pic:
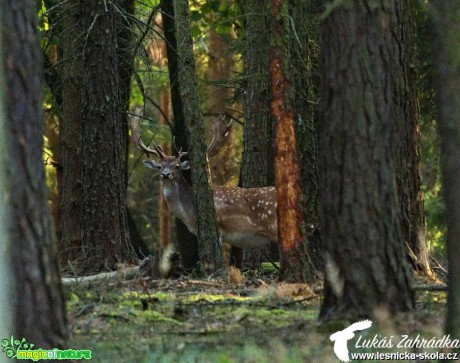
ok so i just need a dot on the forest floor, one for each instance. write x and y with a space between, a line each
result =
253 319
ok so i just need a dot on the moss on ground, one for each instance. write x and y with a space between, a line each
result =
211 321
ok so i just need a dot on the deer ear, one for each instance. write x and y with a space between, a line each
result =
185 165
151 164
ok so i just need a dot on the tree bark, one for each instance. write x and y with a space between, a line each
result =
257 165
208 237
105 238
70 130
6 265
305 63
366 266
447 29
38 305
187 241
407 133
295 261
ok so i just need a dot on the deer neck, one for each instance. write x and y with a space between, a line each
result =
179 196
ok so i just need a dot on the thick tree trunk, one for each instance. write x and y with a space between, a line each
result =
305 61
407 133
257 165
295 261
69 186
257 168
6 261
105 239
365 261
39 309
187 241
447 30
208 237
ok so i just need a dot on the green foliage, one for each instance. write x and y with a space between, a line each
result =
220 15
435 210
430 147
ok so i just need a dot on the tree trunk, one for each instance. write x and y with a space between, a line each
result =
447 29
105 238
208 237
6 261
164 215
257 165
295 261
70 130
257 168
38 304
365 261
407 133
305 61
187 241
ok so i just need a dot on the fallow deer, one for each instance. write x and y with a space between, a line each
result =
246 217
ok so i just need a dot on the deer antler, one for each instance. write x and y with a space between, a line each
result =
135 121
180 153
220 130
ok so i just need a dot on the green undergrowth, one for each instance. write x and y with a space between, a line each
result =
193 321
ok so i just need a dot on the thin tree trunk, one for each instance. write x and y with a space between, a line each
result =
163 210
38 303
208 236
447 27
187 241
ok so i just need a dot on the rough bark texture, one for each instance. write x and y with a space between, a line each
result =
38 308
295 264
365 261
105 239
447 26
208 237
125 51
407 133
257 165
69 186
6 263
305 62
187 241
